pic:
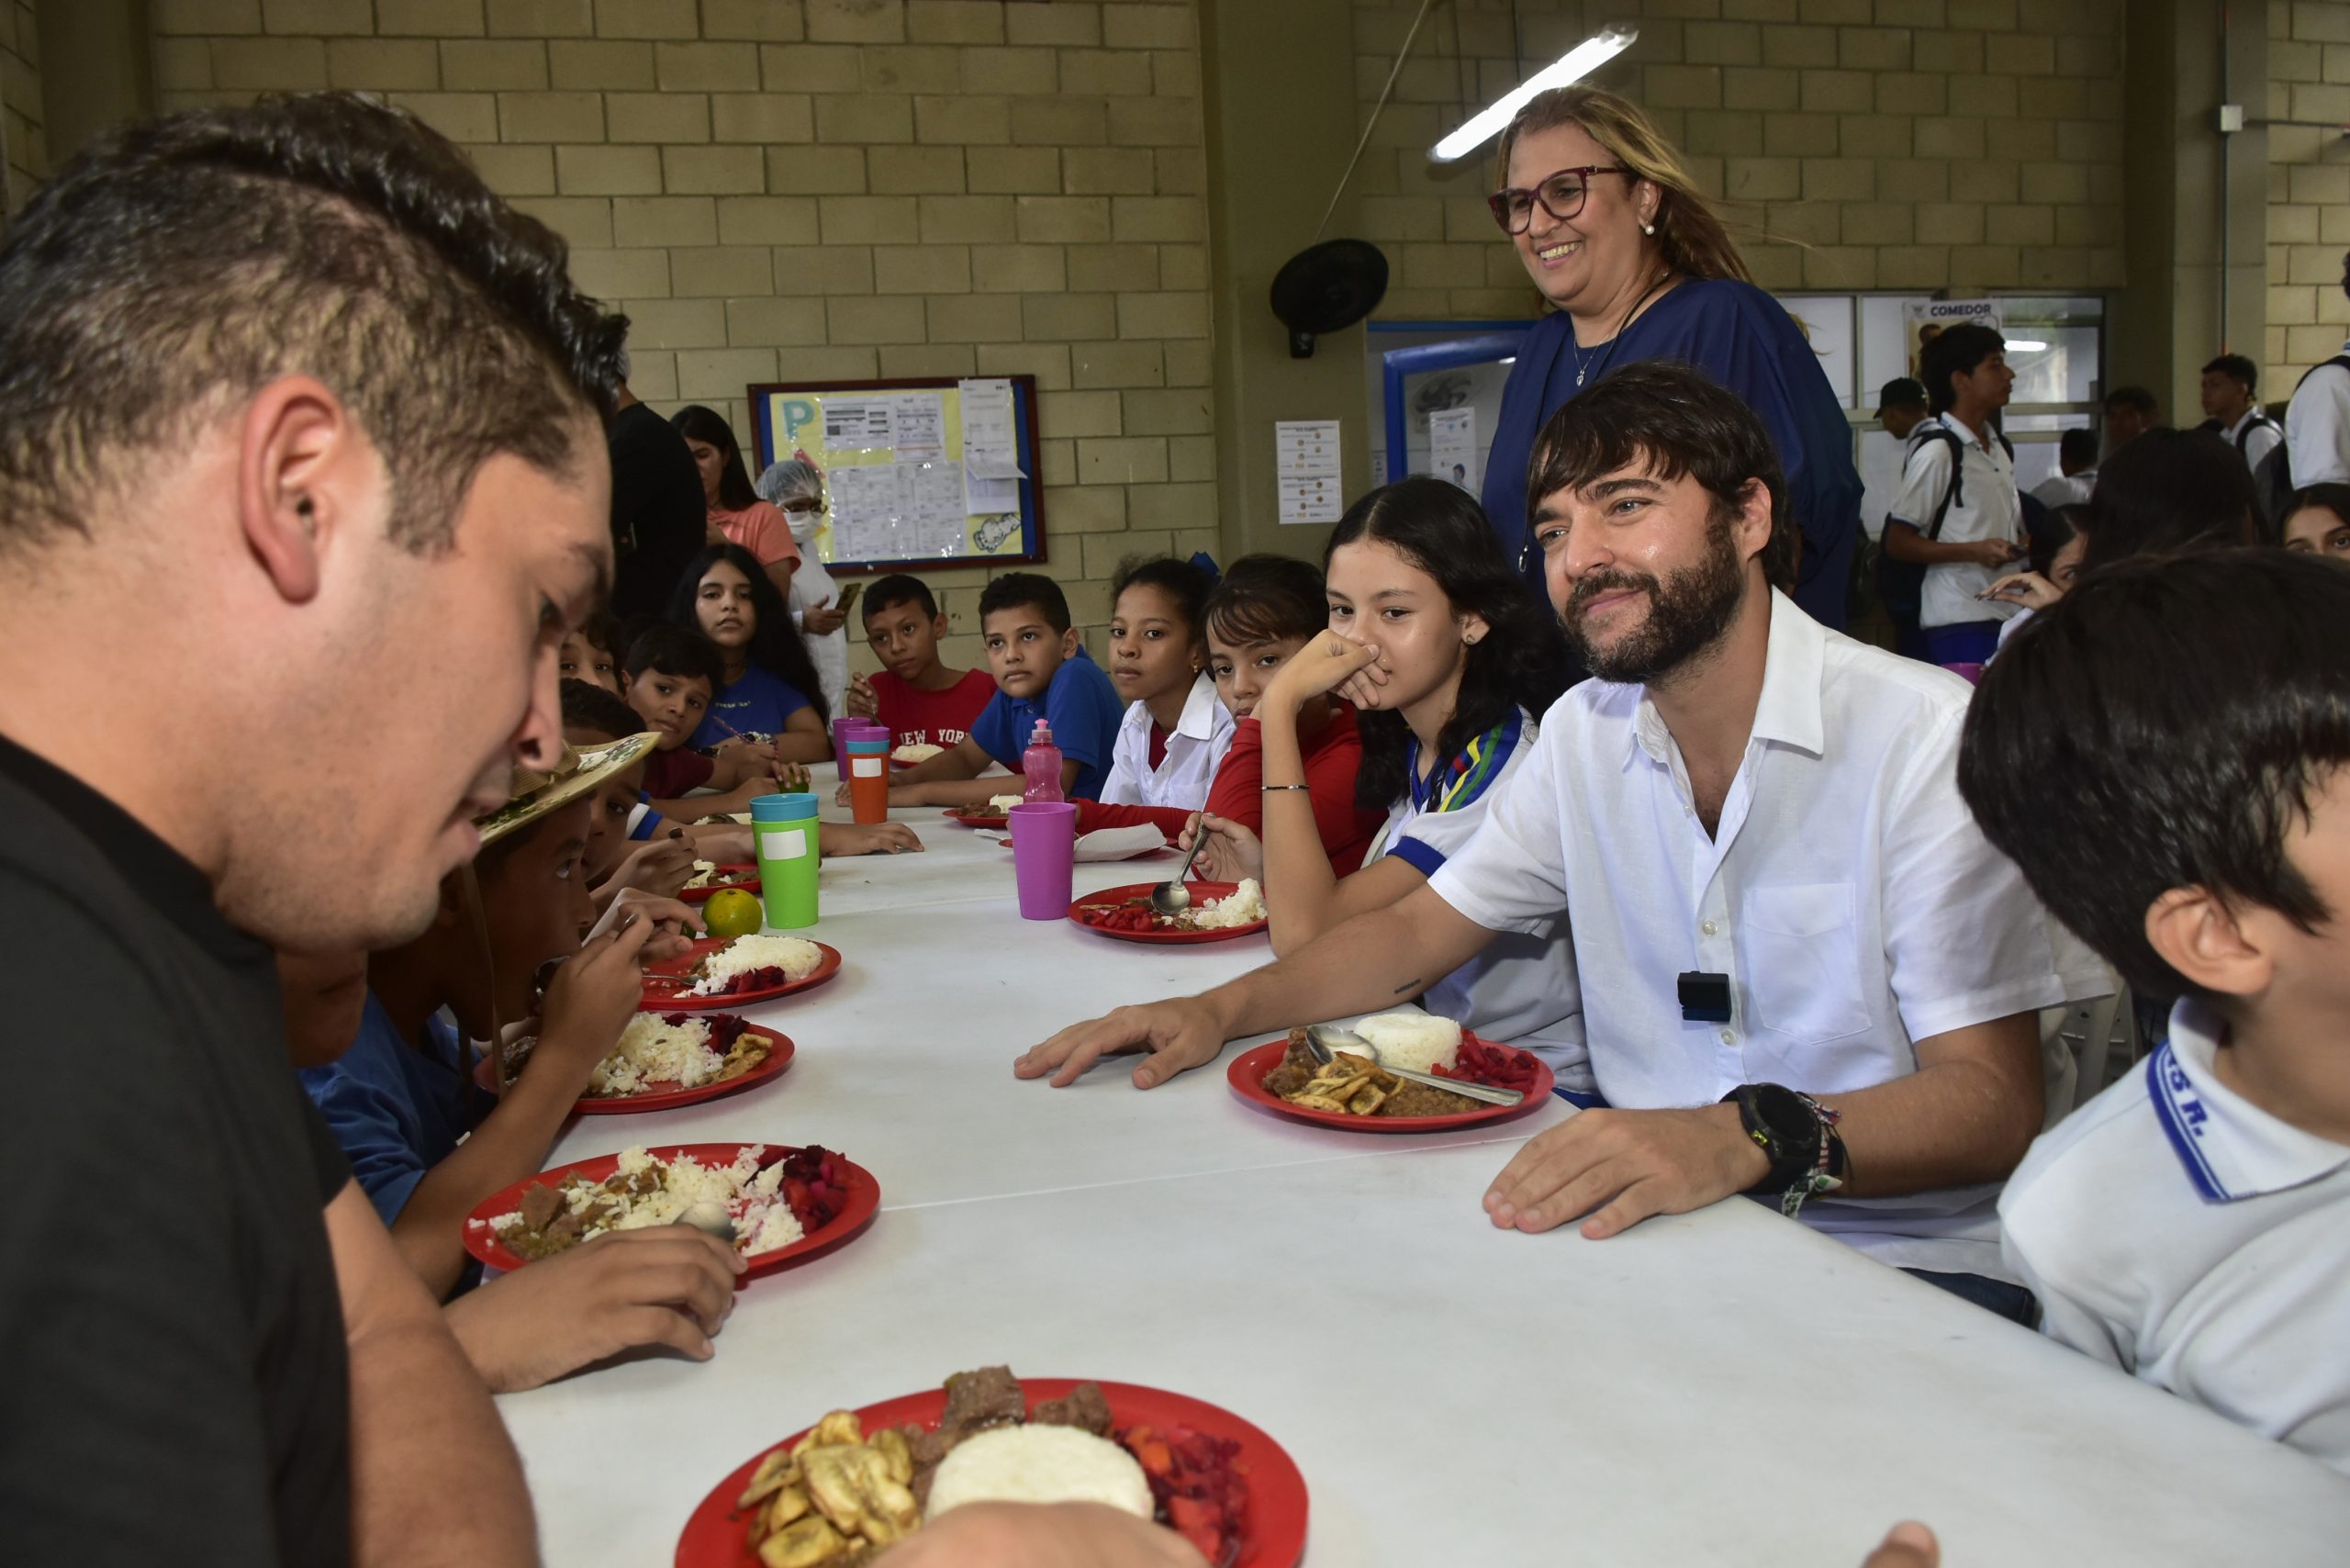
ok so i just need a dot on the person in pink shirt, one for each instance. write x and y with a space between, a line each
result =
737 516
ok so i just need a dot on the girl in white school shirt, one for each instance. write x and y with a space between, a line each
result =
1175 731
1432 636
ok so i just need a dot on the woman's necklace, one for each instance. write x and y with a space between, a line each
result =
1600 354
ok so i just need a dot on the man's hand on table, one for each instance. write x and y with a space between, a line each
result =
664 1285
1627 1165
1907 1545
1179 1035
1035 1535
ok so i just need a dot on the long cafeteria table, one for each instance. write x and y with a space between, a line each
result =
1717 1387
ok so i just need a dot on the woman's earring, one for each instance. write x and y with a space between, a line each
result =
1648 227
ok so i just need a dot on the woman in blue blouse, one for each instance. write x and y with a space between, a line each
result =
1614 235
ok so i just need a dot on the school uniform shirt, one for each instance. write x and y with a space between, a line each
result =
2173 1229
1180 775
2317 426
671 774
1845 891
916 717
396 1111
758 705
1083 709
1985 508
2255 435
1521 990
1332 755
761 528
2063 489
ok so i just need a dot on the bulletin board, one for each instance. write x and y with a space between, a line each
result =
923 473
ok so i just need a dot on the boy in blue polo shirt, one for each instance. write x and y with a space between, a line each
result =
1042 671
2164 754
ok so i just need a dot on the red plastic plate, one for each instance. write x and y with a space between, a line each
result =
667 982
1247 1076
976 816
716 1537
1201 893
701 895
863 1202
779 1058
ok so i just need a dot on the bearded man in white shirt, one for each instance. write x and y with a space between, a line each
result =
1803 969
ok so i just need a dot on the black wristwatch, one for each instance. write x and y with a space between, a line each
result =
1798 1134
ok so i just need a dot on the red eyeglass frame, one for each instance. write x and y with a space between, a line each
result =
1498 202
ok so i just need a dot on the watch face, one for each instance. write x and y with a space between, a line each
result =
1783 1112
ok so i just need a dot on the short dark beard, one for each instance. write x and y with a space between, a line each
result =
1688 611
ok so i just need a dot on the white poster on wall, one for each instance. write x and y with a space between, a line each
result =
1453 446
1924 320
1306 459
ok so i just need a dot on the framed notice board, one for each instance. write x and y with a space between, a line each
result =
920 473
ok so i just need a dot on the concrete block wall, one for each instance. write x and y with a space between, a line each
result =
1862 144
26 158
795 190
2308 188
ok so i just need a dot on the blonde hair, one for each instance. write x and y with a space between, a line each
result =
1690 234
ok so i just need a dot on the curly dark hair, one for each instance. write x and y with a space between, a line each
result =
181 264
708 426
1521 662
776 645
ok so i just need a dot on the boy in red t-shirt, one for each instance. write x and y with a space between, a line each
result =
922 701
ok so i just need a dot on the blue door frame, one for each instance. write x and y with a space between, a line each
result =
1487 341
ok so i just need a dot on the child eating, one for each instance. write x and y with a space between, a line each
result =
671 674
2164 758
401 1101
1042 671
767 689
1433 639
1176 729
922 700
563 1313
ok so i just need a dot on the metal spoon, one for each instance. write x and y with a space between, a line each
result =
712 1218
1324 1038
1173 897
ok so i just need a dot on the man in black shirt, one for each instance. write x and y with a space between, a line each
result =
301 479
659 521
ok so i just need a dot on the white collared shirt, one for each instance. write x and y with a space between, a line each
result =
2259 440
2066 490
2174 1228
1986 507
1203 734
2317 424
1521 990
1846 892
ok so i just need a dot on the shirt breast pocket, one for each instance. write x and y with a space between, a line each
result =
1803 972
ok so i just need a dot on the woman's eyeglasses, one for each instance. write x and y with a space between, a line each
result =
1562 195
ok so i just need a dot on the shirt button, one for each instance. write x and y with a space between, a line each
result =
1729 1038
1708 928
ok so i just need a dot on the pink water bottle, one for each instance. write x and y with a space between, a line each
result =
1042 763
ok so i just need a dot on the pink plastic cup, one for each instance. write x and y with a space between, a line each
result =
1044 857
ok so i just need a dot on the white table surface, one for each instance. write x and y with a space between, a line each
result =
1719 1387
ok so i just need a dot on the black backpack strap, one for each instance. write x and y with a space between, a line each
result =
2262 422
2340 361
1953 493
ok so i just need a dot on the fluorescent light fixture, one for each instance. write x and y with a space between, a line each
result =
1572 66
2029 345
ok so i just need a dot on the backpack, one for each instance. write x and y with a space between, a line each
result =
1902 584
2272 482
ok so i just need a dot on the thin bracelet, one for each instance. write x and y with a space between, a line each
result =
1285 786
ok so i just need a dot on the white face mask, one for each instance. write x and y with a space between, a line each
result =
803 524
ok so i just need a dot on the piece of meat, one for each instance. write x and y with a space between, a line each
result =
1419 1099
1084 1408
540 1205
1297 1069
989 1396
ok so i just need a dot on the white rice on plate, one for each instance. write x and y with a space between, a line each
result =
796 956
915 752
652 1051
1039 1464
1420 1042
753 1197
1245 905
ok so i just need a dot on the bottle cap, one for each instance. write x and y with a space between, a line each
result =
1042 735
